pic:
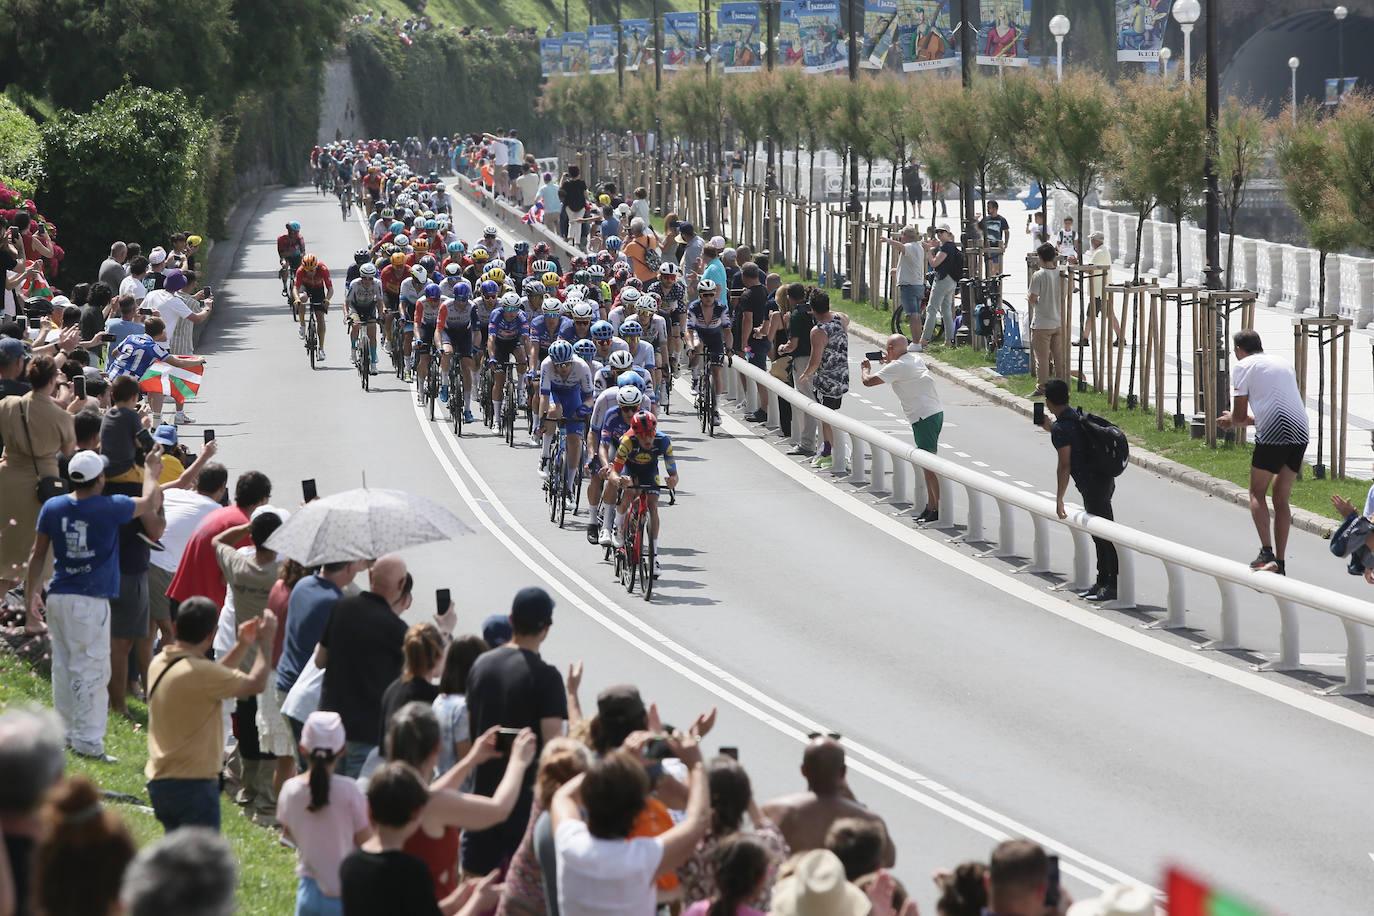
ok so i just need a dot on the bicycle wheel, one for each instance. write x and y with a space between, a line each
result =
632 554
711 408
432 386
553 489
577 486
561 487
310 339
646 566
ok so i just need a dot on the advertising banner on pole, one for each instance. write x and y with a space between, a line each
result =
739 38
681 36
639 34
880 28
925 35
1140 28
574 53
819 24
601 48
1002 33
550 57
789 49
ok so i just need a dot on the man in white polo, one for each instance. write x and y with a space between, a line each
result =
911 379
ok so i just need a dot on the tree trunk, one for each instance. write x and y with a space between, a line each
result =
1321 362
796 167
892 195
1230 240
1178 243
1139 234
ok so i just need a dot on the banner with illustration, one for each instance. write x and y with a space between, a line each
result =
789 51
574 53
823 49
639 34
1002 32
880 28
681 36
739 38
550 56
925 35
1140 28
601 48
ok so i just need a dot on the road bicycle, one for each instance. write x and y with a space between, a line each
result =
988 309
484 402
634 562
345 193
707 397
395 346
362 356
312 340
508 404
288 288
429 386
456 393
555 482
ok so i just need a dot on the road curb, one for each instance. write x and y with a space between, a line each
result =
1157 464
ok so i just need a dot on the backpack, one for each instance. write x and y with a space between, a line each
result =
1108 450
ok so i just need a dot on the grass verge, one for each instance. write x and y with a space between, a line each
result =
267 880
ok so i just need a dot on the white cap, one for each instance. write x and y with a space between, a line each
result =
279 513
323 731
717 242
157 256
86 466
60 302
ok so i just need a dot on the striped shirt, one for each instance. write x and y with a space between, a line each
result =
1272 390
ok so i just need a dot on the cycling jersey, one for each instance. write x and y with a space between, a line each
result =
508 325
542 334
456 314
697 320
410 292
427 311
610 424
290 247
312 281
393 277
362 295
642 353
671 299
643 461
576 380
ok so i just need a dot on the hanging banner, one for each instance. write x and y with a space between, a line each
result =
819 24
639 35
1140 28
738 48
550 57
925 35
789 51
880 28
681 36
574 53
1002 33
601 48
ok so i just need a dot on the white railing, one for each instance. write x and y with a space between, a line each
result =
870 457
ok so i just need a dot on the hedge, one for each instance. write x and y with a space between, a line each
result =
21 165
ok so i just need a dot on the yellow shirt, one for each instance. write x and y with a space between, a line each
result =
172 468
185 728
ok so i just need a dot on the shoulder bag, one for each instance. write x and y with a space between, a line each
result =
48 487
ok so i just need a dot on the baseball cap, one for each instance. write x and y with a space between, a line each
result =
60 302
496 630
532 609
86 466
717 242
620 704
194 241
166 434
175 281
323 731
684 231
12 350
157 256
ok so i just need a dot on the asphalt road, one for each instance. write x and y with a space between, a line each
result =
975 703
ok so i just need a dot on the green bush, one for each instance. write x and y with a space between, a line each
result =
139 165
21 166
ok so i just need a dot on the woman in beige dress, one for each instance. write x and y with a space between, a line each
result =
29 455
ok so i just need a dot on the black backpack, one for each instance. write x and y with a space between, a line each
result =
1108 450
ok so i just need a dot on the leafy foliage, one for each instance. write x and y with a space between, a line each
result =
1353 160
21 167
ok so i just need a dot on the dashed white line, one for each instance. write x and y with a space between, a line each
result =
1022 483
980 464
963 454
1001 473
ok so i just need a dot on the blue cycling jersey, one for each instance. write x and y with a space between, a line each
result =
508 325
542 334
614 427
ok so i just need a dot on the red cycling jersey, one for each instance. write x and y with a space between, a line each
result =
289 245
393 277
318 280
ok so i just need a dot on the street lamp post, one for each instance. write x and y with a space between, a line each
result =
1187 13
1059 27
1211 185
1340 13
1293 66
1164 55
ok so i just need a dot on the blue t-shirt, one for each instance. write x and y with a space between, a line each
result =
610 227
307 614
85 542
121 329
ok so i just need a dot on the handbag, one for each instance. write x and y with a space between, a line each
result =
652 258
48 487
781 369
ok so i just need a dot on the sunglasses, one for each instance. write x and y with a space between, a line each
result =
833 736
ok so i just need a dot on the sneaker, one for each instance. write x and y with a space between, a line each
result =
372 369
593 533
468 417
319 354
758 416
1266 561
604 539
300 331
1102 593
616 540
1281 569
443 394
658 571
99 757
153 543
914 347
182 417
715 417
927 516
1087 593
825 462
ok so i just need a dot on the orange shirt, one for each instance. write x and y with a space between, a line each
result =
488 176
655 820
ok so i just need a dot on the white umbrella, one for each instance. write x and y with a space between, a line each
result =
362 525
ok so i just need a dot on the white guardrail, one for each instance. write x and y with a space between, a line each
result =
869 456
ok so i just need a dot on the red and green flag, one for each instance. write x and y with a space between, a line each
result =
166 379
1188 896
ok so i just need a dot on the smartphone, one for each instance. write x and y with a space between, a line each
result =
107 337
505 739
209 292
143 311
145 440
79 386
1038 413
35 322
874 355
731 752
308 492
1052 883
209 436
441 601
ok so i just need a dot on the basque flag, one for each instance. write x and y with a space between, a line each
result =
167 379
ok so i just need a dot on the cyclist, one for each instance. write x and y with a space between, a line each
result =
474 271
580 326
344 188
565 393
508 334
454 256
290 251
625 308
518 265
360 257
542 252
603 337
586 351
611 415
708 328
316 289
638 455
617 362
656 333
547 328
412 288
494 246
360 301
372 184
641 350
672 305
427 313
392 275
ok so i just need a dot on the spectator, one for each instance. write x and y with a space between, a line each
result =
139 351
911 275
451 705
752 318
818 885
309 609
898 901
31 762
672 226
1035 228
642 251
964 891
798 351
13 359
639 207
572 191
527 187
610 225
914 385
184 510
948 263
1043 301
858 844
732 798
712 267
360 653
1067 241
1096 488
827 371
157 269
689 251
1018 876
199 573
513 687
422 652
95 311
741 865
549 193
81 529
324 815
1098 256
80 838
531 884
911 184
995 230
602 870
190 873
126 323
35 429
185 731
805 818
176 310
1264 393
274 735
135 285
1119 900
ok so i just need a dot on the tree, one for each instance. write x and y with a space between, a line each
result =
1354 134
1240 152
963 137
1174 163
1130 143
1016 105
1073 128
890 99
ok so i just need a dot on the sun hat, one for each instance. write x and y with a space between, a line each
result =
166 434
323 731
817 887
1117 900
175 281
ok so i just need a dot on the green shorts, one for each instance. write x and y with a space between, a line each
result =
927 432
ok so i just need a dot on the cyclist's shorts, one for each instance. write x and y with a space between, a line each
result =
713 341
316 296
506 349
645 476
458 339
365 313
392 301
424 338
570 402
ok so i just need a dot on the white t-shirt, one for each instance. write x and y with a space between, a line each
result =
911 266
132 286
911 378
527 185
500 153
1272 389
1100 257
170 306
640 207
605 877
184 510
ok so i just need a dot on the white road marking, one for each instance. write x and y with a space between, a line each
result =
980 464
888 413
945 445
963 454
1022 483
1001 473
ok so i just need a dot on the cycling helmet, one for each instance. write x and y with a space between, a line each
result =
497 274
419 273
630 296
667 269
648 303
560 351
522 247
368 270
706 285
541 249
585 349
490 288
635 282
582 311
397 227
580 278
421 243
489 232
602 330
539 267
428 263
631 328
480 254
510 302
432 291
452 269
310 262
576 294
534 288
431 224
596 271
550 279
398 260
620 360
361 256
629 396
644 424
613 243
462 290
630 377
401 241
293 226
455 247
551 307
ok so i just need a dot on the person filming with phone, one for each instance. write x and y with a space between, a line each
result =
910 378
